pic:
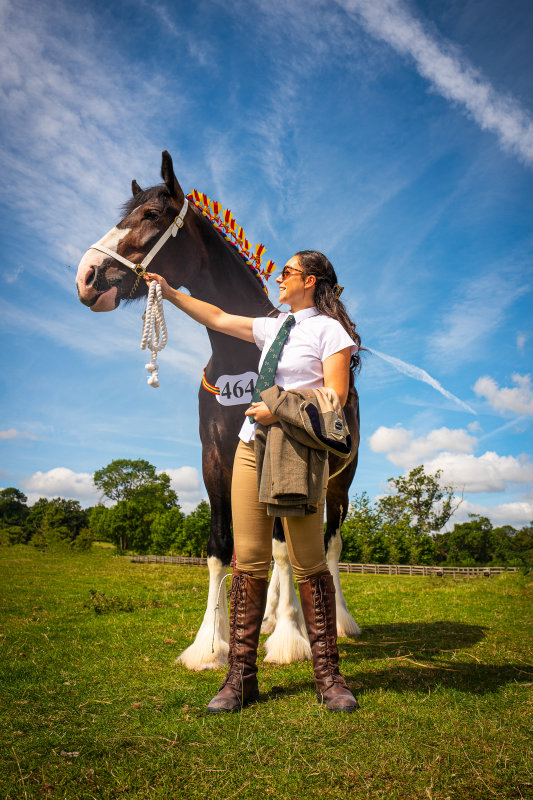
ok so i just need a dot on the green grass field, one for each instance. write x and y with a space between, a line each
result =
93 706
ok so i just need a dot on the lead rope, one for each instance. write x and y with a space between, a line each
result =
154 333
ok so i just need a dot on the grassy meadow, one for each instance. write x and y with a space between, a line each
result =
92 705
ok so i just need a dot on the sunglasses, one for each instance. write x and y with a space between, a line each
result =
286 272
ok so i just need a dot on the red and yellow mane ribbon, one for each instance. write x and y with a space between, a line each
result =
224 221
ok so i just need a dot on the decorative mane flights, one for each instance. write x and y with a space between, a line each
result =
224 221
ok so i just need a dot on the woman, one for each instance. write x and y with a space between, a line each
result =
319 350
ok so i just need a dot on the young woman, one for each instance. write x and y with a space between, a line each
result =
320 350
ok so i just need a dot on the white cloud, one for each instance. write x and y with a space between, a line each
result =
451 451
14 433
489 472
516 513
405 450
518 399
188 485
61 482
448 71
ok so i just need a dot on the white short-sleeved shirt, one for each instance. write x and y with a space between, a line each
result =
311 340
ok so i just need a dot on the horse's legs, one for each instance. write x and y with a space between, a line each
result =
211 645
288 641
336 511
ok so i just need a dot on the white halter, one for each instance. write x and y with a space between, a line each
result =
154 333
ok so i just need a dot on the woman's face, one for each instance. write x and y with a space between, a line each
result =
295 289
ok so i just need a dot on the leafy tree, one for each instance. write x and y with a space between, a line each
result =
55 521
422 499
523 545
123 477
195 531
13 508
468 544
98 525
166 531
12 534
362 531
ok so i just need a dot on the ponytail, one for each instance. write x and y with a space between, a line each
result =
327 294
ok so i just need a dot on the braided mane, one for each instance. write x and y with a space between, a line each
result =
224 221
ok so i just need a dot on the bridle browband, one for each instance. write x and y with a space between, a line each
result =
140 269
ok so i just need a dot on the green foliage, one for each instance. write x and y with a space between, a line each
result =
196 528
13 508
12 534
56 522
421 499
477 543
167 532
122 478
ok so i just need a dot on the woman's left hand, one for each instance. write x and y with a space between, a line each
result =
261 413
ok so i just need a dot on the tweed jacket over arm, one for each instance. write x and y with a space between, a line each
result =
292 454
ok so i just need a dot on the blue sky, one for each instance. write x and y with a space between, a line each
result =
397 137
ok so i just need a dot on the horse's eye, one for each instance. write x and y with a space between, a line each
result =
150 215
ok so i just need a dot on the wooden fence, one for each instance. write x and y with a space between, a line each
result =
361 569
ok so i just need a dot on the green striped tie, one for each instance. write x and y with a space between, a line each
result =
265 379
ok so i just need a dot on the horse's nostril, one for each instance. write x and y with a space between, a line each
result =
89 278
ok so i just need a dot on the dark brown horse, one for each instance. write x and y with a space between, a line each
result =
200 258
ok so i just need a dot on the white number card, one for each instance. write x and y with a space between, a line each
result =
236 390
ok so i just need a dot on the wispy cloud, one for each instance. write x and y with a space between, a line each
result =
420 374
86 134
14 433
479 308
449 72
114 337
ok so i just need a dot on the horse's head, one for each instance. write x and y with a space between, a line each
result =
102 280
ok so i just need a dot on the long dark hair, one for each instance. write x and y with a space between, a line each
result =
326 295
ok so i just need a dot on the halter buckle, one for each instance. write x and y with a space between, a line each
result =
178 222
139 270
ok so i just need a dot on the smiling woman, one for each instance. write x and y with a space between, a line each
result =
301 351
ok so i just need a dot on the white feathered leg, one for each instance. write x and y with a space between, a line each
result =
289 641
211 645
346 625
271 611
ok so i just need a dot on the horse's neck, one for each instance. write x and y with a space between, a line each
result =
224 279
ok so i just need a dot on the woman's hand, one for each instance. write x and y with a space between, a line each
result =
261 413
165 288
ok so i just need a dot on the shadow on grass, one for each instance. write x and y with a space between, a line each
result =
425 639
420 657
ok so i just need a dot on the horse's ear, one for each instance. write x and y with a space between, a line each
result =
135 188
167 173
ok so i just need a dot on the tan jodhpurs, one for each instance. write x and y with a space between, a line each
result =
252 527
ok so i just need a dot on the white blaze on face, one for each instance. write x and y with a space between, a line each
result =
91 260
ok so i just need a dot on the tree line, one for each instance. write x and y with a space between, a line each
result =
143 515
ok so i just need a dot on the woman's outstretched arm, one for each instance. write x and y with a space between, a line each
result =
209 315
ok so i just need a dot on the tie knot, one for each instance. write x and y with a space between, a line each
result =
289 322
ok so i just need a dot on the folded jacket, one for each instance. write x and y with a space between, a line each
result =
292 454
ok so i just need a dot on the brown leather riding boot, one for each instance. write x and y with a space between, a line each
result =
317 595
247 607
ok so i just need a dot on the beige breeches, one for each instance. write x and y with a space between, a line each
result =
252 527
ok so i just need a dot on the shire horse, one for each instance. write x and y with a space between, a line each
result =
201 259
